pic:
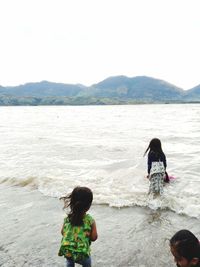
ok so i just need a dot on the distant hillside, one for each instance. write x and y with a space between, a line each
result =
193 94
113 90
42 89
141 87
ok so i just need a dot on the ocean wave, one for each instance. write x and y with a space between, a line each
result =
119 193
22 182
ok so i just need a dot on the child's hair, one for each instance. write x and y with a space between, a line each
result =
79 202
155 146
186 245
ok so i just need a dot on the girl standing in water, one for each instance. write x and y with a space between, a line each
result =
156 166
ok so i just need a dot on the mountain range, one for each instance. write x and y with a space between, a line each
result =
113 90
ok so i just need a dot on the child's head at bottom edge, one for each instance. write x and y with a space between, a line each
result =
185 248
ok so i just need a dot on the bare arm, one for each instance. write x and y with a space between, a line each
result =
62 229
93 234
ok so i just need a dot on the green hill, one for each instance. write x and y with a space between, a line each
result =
113 90
140 88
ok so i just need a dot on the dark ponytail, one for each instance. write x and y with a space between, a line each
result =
79 202
155 146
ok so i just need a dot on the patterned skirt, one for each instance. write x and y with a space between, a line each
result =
156 183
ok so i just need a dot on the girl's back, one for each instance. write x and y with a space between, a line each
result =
76 241
79 228
156 166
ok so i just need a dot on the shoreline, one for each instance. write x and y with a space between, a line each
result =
130 236
94 104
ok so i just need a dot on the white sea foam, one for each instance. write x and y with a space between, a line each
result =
57 148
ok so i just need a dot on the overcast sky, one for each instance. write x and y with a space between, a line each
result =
86 41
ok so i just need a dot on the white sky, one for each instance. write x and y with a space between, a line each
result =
86 41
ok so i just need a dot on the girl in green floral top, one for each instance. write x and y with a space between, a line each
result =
79 228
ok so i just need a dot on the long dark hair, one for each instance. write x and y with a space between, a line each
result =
155 146
186 245
79 202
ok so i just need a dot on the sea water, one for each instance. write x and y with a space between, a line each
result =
55 148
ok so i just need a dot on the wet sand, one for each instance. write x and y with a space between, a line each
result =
30 232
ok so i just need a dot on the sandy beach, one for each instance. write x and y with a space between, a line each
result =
31 222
